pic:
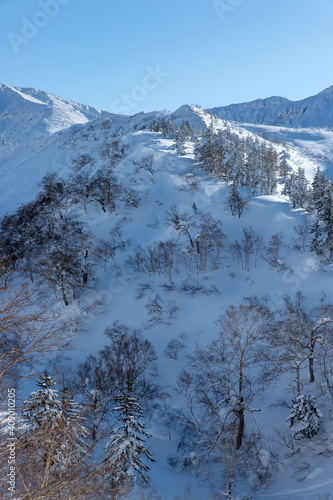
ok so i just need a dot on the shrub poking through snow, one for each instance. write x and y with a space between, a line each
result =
305 417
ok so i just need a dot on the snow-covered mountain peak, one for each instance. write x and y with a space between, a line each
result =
8 93
143 215
186 109
53 113
315 111
193 114
328 92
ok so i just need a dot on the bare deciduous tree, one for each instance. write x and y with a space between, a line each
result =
218 388
272 255
303 230
297 337
146 163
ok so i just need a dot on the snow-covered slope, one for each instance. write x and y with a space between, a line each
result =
39 132
41 111
315 111
42 133
308 147
29 119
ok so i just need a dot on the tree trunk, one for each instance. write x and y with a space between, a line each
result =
240 432
298 380
311 371
64 298
312 348
84 278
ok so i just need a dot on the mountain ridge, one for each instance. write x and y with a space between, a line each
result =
314 111
59 112
169 207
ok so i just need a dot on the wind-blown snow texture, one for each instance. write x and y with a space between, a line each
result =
41 133
315 111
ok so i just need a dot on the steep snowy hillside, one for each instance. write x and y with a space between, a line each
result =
38 131
28 120
309 147
41 133
43 112
315 111
155 225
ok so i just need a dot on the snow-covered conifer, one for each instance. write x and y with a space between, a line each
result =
179 144
43 408
317 240
70 441
296 188
305 417
284 169
318 189
325 215
126 450
235 201
52 427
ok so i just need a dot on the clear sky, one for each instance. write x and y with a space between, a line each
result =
130 55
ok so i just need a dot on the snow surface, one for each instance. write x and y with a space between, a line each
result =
42 133
315 111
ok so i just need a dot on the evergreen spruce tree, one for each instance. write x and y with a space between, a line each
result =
179 144
289 185
284 170
70 442
296 188
318 189
211 152
41 418
252 167
52 429
186 130
43 408
305 417
268 164
317 240
325 215
322 202
126 450
236 161
268 180
235 201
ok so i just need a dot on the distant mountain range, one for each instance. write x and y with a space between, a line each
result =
46 113
41 132
315 111
165 248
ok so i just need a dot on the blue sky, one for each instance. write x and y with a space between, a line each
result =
129 56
